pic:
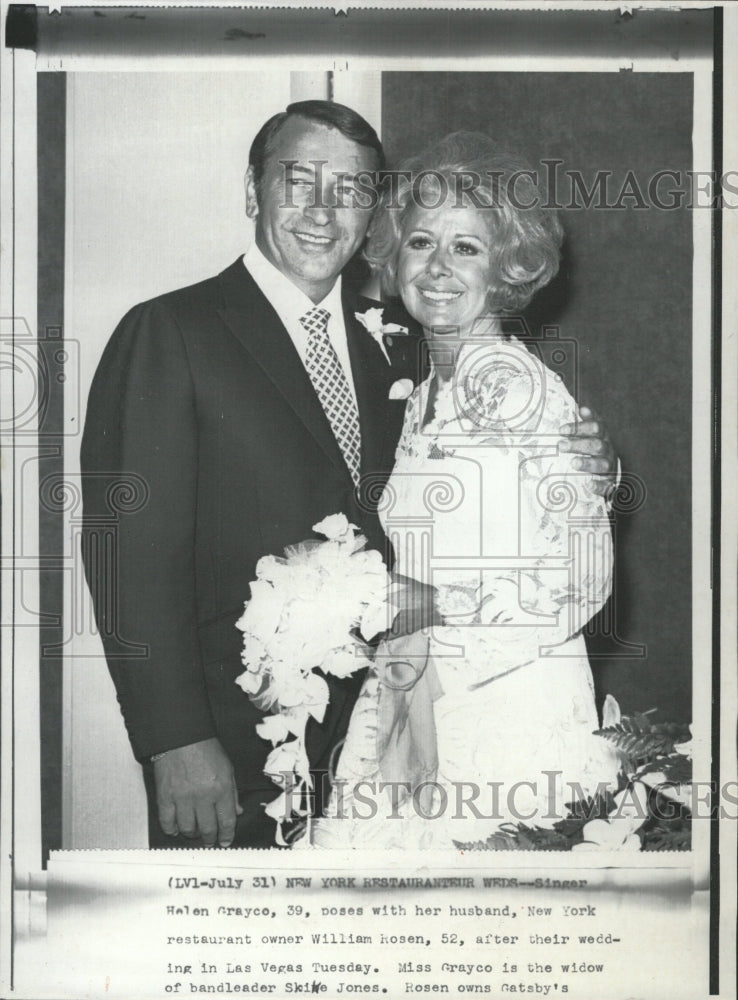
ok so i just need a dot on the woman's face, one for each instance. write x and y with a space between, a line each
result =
444 267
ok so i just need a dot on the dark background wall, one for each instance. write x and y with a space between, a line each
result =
624 296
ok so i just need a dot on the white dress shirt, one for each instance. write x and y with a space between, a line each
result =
290 303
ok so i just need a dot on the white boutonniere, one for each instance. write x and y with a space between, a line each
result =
401 389
372 321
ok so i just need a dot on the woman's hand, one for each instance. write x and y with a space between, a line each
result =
590 441
416 604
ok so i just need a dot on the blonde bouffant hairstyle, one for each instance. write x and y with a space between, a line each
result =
469 168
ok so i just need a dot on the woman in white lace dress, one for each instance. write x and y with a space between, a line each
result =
487 717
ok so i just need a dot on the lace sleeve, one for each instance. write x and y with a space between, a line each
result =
562 567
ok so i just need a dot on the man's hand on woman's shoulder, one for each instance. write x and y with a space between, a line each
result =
589 440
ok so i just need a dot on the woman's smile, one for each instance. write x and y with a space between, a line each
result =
434 295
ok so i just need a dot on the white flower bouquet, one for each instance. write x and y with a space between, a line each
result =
314 609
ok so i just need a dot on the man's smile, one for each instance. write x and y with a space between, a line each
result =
313 239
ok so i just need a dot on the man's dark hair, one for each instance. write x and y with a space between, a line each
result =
338 116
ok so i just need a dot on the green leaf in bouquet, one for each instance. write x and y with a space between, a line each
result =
518 837
668 837
666 808
592 807
640 740
495 842
540 839
675 768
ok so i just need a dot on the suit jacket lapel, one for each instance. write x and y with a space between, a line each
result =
372 378
253 321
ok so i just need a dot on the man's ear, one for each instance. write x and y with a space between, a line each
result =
252 205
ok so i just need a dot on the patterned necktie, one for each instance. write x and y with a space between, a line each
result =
332 387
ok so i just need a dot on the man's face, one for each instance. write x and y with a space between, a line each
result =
308 220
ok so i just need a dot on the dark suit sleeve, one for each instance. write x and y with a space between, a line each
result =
139 479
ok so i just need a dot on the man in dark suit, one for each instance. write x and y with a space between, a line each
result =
251 405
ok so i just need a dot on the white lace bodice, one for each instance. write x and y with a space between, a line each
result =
483 506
